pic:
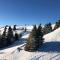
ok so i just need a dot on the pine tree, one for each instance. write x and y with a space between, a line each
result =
35 39
39 30
25 29
16 36
3 39
20 35
40 35
4 32
47 28
10 36
57 25
14 28
31 42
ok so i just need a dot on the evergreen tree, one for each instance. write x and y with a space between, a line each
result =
31 42
35 39
39 30
20 35
4 32
14 28
57 25
40 35
25 29
3 39
16 36
47 28
10 36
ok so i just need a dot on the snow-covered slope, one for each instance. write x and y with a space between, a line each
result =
49 51
53 36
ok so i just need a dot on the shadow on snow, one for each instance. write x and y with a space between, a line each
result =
50 47
16 43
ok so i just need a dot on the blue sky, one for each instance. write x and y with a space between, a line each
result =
29 11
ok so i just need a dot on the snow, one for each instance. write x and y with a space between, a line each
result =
25 35
53 36
49 51
53 26
28 27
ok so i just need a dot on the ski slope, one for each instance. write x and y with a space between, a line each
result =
49 51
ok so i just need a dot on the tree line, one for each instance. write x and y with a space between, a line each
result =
7 37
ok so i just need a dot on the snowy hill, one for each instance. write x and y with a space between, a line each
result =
53 36
49 51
